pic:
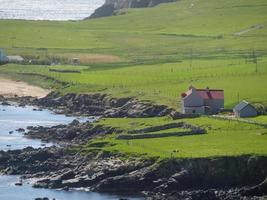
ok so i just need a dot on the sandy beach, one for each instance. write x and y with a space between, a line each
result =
10 88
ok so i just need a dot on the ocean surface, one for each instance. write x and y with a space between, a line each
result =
12 118
48 9
8 191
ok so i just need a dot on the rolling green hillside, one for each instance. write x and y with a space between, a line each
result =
161 83
223 138
155 54
165 33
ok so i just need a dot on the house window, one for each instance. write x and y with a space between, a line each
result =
193 111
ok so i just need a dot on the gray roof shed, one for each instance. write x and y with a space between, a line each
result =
245 109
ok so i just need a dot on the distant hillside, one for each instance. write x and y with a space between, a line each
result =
111 7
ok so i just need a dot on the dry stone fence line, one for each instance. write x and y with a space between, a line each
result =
151 132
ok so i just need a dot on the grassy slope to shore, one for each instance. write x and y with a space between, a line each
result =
223 138
167 33
155 54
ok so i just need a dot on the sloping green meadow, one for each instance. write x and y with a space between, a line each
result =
159 51
223 138
166 33
161 83
155 54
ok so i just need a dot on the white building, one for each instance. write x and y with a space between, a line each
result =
202 101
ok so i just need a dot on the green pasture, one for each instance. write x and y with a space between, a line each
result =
223 138
151 54
166 33
155 54
160 83
261 119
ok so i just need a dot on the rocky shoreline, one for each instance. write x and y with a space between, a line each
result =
58 168
63 167
93 105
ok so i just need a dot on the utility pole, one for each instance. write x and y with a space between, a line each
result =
255 60
191 58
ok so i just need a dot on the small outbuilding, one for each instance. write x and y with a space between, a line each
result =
75 61
245 109
3 57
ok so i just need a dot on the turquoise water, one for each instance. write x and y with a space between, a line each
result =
48 9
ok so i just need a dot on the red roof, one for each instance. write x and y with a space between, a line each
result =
206 93
210 94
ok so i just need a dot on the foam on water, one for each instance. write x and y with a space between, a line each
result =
48 9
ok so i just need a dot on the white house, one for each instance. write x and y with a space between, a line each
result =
202 101
245 109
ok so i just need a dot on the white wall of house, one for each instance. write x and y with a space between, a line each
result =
194 110
192 100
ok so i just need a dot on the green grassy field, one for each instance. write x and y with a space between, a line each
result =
165 33
223 138
162 83
155 54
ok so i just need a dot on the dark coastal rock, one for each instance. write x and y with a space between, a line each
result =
5 103
94 105
169 179
42 198
102 105
20 130
128 182
257 190
111 7
73 133
103 11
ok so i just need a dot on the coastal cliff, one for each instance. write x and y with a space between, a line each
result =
111 7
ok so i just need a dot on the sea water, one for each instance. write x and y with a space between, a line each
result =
14 117
8 191
48 9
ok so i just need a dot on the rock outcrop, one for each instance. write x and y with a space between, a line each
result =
94 105
73 133
204 178
111 7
